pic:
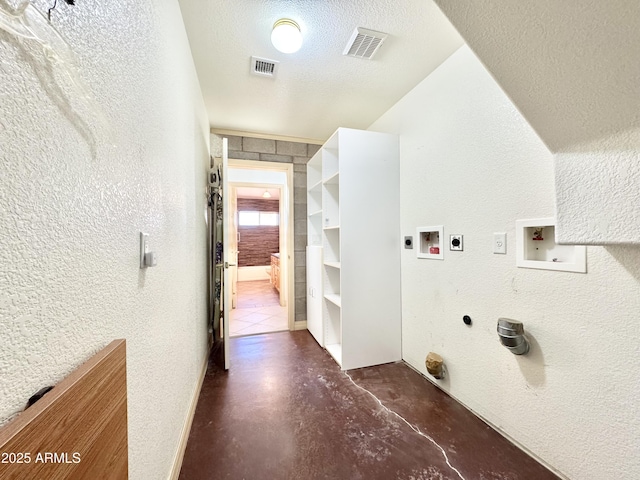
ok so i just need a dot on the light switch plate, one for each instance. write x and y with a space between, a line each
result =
144 247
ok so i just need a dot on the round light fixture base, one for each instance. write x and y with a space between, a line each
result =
286 36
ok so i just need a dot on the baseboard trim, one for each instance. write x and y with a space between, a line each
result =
186 429
300 325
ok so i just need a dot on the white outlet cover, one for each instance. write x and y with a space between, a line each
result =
453 247
500 243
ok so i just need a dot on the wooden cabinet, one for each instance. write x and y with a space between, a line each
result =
353 206
275 270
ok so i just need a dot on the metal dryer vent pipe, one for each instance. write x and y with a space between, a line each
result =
511 333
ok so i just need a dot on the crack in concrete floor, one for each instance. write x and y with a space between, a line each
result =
411 426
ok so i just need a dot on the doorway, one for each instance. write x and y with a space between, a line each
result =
261 223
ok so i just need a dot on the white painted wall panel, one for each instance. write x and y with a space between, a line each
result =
369 248
471 162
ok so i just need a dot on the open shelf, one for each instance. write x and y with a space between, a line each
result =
314 171
333 298
314 200
331 204
333 329
316 185
331 286
332 264
313 214
329 162
333 179
331 244
335 350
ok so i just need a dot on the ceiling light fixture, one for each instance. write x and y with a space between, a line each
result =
286 36
266 194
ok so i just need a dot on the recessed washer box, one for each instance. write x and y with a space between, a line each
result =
429 242
536 247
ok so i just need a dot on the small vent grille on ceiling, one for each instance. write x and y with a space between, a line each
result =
364 43
263 67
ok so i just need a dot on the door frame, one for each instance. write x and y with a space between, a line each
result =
285 204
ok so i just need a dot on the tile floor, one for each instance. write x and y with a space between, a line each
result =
258 310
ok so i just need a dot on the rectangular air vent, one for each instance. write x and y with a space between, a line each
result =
364 43
263 67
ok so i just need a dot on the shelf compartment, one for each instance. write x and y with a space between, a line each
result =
332 264
335 350
332 324
315 186
331 284
314 200
314 171
331 244
334 298
333 179
331 204
329 162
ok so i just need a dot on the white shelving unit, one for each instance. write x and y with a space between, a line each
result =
354 178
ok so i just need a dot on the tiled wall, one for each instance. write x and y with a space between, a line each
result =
267 150
257 243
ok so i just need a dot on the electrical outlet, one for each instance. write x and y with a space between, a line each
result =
500 243
455 242
408 242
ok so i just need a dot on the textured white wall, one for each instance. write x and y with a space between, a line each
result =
470 161
75 194
572 68
598 191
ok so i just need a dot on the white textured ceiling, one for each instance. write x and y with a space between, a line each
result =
316 89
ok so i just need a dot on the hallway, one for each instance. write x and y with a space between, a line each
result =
286 411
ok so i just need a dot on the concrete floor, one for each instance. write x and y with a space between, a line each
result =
286 411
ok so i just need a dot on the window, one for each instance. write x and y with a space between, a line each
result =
269 218
249 218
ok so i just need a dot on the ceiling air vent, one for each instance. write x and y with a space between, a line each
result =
364 43
263 67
